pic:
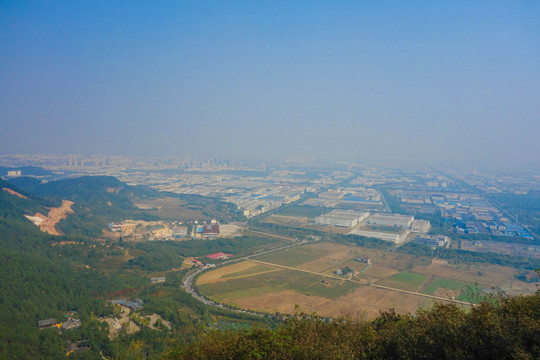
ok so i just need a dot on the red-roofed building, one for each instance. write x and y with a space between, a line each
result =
219 256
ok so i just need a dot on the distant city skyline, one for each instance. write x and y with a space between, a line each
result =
429 83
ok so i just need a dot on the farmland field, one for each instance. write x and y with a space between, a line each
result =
405 280
276 281
305 276
443 283
289 257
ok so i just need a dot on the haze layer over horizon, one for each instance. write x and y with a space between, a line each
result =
375 81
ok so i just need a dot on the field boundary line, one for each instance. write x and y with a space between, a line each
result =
364 283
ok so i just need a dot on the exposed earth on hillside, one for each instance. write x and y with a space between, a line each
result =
47 223
12 192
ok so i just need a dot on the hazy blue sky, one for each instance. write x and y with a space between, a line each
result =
353 80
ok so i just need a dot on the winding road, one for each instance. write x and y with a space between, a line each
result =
189 279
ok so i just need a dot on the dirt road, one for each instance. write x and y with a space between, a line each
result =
364 283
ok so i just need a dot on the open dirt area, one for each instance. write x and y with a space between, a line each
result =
285 301
12 192
47 223
137 230
116 325
228 230
487 275
369 301
501 248
366 302
156 317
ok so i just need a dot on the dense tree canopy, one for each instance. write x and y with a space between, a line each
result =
505 328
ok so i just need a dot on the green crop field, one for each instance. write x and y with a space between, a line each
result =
471 293
289 257
405 280
301 282
443 283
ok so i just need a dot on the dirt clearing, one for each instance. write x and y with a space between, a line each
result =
12 192
47 223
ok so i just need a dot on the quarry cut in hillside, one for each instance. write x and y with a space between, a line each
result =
47 223
13 192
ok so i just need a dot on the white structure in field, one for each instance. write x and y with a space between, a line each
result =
420 226
343 218
391 220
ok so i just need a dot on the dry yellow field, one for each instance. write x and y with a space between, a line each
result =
482 274
305 275
234 271
366 302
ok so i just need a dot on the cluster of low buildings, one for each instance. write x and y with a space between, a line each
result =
139 230
394 228
498 228
134 305
70 323
471 212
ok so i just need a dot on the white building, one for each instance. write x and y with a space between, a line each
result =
391 237
14 173
391 220
431 240
343 218
420 226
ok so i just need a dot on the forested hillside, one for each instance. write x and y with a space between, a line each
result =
505 328
40 278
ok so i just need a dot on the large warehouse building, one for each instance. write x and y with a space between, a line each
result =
391 220
343 218
392 237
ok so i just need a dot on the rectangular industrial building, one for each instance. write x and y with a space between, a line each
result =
211 230
431 240
420 226
343 218
392 237
391 220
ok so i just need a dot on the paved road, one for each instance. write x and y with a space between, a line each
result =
188 280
